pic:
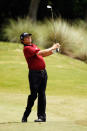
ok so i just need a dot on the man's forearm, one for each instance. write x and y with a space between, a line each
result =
49 51
45 52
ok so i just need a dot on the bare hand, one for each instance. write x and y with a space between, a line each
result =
56 45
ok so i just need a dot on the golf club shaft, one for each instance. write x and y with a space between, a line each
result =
53 25
55 41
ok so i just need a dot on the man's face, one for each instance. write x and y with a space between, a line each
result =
27 40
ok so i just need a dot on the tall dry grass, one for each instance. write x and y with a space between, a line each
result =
14 28
72 37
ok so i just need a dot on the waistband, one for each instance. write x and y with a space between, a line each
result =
38 71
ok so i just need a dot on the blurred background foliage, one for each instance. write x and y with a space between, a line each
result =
18 16
72 37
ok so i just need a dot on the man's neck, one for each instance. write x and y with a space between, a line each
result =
27 44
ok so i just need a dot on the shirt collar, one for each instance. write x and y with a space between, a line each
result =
28 45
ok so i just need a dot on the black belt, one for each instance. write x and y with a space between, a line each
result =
38 71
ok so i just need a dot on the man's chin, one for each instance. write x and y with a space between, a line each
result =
28 43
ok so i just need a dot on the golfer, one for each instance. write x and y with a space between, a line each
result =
37 76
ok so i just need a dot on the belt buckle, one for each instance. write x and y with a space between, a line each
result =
42 71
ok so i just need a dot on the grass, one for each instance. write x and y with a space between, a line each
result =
65 75
64 113
13 29
66 92
71 36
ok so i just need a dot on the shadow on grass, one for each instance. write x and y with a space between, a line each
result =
14 122
67 123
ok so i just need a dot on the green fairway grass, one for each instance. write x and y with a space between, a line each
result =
66 76
66 92
64 113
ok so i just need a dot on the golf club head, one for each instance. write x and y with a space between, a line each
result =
57 49
49 6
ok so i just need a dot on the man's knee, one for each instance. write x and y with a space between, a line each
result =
32 96
41 94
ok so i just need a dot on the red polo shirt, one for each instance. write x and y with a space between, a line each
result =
34 61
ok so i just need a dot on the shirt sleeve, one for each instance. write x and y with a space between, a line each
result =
30 51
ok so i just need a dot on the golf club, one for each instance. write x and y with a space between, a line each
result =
50 7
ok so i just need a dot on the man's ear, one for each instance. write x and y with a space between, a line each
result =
22 41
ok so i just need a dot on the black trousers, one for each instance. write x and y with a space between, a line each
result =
37 81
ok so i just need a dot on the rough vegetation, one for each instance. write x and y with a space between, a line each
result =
72 37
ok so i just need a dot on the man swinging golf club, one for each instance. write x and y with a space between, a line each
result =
37 76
